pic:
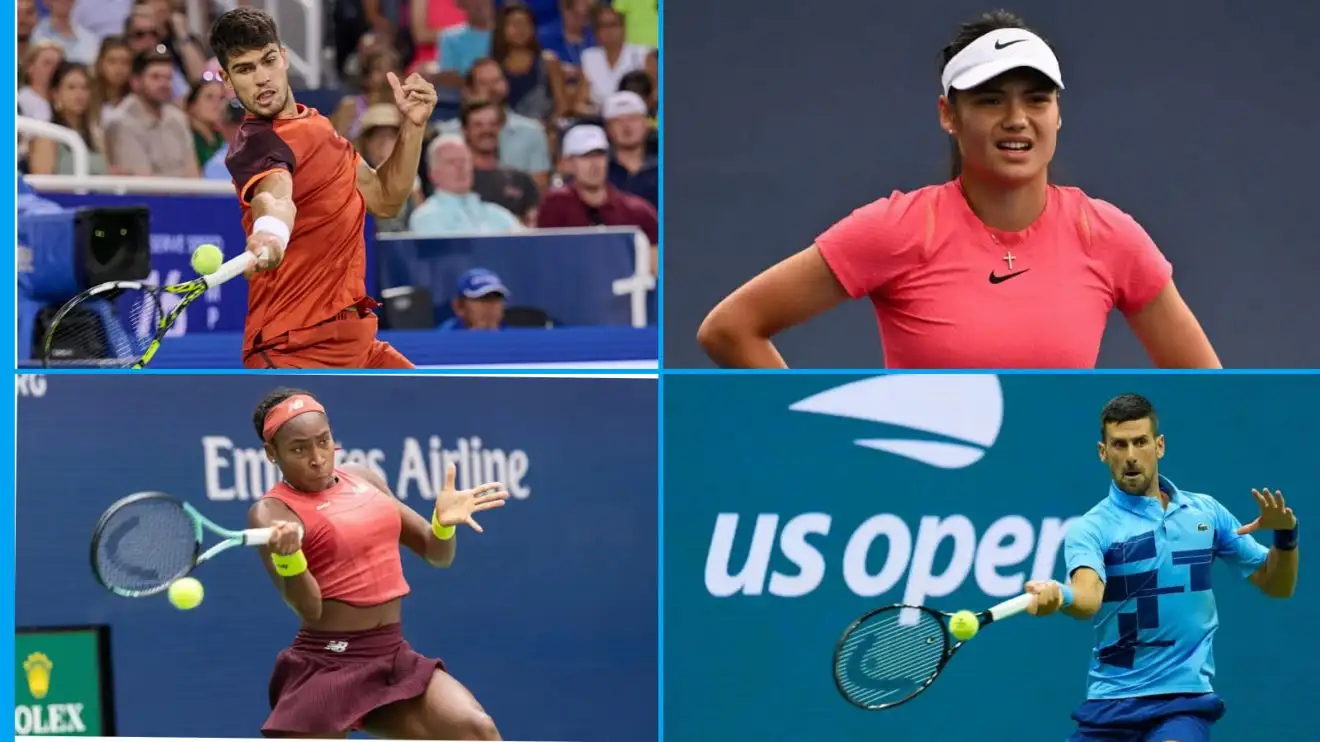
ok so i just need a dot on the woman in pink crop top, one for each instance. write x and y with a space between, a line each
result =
336 561
994 269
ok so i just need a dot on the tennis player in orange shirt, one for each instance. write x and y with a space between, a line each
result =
305 194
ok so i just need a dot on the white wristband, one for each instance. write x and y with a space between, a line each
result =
275 226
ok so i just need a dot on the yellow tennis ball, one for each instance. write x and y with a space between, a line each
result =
186 593
206 259
963 625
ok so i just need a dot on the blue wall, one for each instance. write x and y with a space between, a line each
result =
549 616
1015 457
781 118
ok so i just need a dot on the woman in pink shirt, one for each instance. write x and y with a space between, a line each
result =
996 268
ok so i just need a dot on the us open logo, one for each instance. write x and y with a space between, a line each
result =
967 409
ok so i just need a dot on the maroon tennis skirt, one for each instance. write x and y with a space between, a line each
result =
327 682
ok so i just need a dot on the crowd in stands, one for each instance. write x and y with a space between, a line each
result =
551 120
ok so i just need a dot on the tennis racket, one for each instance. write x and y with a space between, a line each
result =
148 540
120 324
891 654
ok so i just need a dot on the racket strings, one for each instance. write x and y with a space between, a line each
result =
110 329
888 658
144 546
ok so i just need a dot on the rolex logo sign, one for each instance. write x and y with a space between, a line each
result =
37 667
71 703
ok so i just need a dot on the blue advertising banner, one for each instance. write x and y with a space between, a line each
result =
793 504
581 278
549 617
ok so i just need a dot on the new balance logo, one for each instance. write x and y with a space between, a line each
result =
337 646
968 408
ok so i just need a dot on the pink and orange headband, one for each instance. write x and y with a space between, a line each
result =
298 404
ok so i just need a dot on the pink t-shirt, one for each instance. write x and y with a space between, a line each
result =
950 292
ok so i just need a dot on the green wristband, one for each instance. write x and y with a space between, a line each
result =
289 565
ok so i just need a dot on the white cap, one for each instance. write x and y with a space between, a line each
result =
996 53
585 139
623 103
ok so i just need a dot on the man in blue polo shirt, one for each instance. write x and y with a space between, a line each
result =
1139 564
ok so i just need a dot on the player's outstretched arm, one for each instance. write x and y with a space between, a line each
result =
388 188
455 507
737 332
1277 577
1084 558
1081 598
1088 593
273 214
283 558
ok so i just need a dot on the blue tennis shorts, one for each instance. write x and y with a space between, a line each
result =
1166 718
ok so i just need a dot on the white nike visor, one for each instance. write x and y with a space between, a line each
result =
996 53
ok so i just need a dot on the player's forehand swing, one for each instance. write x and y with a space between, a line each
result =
305 194
1139 564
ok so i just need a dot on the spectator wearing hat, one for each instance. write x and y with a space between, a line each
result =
453 208
147 134
378 132
589 200
642 83
231 118
632 169
479 303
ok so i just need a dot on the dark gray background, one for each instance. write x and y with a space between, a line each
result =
1198 118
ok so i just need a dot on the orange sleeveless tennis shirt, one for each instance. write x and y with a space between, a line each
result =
324 268
351 539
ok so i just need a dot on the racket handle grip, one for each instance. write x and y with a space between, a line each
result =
262 536
232 268
1010 607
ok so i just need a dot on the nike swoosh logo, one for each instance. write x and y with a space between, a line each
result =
1006 44
1006 276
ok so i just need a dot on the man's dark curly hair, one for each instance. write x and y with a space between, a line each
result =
242 30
